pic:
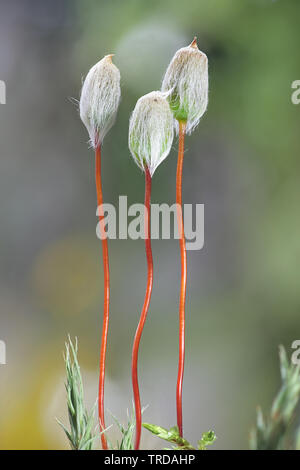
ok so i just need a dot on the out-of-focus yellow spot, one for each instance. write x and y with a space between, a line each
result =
23 421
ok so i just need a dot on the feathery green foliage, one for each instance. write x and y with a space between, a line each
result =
81 422
174 437
272 433
127 434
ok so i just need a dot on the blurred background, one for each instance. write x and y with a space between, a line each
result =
242 163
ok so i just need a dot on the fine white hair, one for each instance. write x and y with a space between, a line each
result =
151 130
186 79
100 98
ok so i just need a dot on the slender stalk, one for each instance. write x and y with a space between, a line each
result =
139 331
106 296
182 127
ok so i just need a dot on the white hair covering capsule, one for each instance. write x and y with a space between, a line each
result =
151 130
186 80
100 98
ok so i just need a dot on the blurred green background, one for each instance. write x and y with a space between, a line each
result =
242 162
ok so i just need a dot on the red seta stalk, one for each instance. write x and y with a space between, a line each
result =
139 331
106 295
182 128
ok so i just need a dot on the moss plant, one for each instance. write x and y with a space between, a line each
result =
186 82
273 432
179 443
99 101
150 140
80 435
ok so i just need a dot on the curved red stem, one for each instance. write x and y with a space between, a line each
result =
182 127
106 295
139 331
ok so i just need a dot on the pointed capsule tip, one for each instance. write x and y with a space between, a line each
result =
194 43
109 57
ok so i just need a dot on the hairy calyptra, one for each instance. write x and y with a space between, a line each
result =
186 81
151 131
150 141
100 98
99 101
